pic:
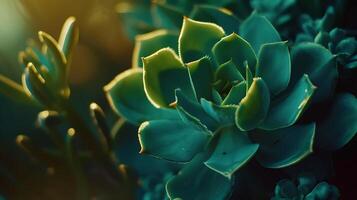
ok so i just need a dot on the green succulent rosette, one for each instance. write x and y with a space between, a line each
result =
213 100
305 188
323 31
45 78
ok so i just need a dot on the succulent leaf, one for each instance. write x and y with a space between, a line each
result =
223 114
235 48
236 94
149 43
274 66
225 18
253 108
166 16
14 90
69 37
160 69
134 106
171 139
256 38
340 125
188 183
317 62
201 75
205 36
286 110
284 147
233 150
228 71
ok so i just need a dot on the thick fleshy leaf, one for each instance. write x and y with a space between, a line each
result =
287 110
149 43
136 19
228 71
233 150
254 106
127 97
192 111
56 58
171 140
69 37
166 16
14 91
324 190
34 85
317 62
285 147
160 69
196 181
223 114
201 74
216 97
235 48
197 38
257 30
248 76
217 15
236 94
340 125
274 66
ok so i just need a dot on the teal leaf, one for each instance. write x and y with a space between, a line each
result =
55 57
317 62
14 91
248 76
347 46
257 30
218 15
166 16
34 85
196 181
324 190
69 37
274 66
201 74
171 140
160 69
127 97
236 94
340 125
216 97
235 48
192 111
149 43
322 38
223 114
197 38
254 106
233 150
285 147
286 110
228 72
285 189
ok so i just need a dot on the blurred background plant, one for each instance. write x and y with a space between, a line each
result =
102 52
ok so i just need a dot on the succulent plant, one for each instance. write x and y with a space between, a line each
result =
45 78
337 40
45 84
226 99
307 188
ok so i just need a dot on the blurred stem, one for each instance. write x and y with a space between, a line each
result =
75 166
107 158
